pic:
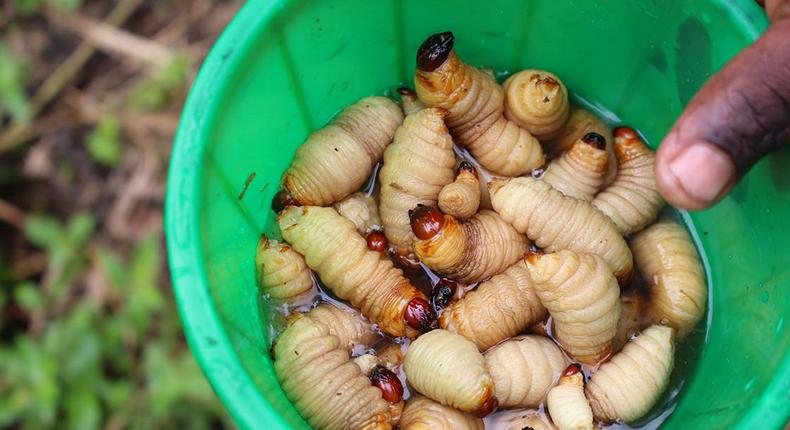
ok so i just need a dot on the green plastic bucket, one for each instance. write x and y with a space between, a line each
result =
283 68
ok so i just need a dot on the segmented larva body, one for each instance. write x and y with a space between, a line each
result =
526 420
360 208
669 263
626 387
497 309
336 160
282 272
339 255
324 385
524 369
366 363
416 166
409 100
554 221
475 105
391 355
467 251
448 368
632 201
581 170
348 326
537 101
581 122
582 298
461 198
422 413
567 405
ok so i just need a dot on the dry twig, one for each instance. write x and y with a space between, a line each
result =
18 132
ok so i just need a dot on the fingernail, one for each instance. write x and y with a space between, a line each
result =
703 170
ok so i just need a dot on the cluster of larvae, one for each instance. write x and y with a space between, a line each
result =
531 274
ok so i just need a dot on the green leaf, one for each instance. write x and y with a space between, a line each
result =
145 296
80 228
38 371
118 394
112 266
104 142
83 410
28 7
12 86
70 5
156 92
28 297
43 231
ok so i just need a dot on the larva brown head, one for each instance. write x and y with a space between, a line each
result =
407 92
629 145
488 407
572 369
426 221
443 292
625 133
595 140
406 262
547 86
434 51
386 381
419 315
264 243
533 254
282 200
377 241
466 167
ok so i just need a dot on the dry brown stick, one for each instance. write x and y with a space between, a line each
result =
29 265
111 39
12 215
15 134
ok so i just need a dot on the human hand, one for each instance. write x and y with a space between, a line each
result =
739 115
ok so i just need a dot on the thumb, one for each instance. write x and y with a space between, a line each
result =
738 116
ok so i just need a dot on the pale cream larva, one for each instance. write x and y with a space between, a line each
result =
340 256
669 263
582 298
580 171
581 122
626 387
336 160
324 385
348 325
422 413
360 208
282 273
409 101
475 105
448 368
567 404
497 309
524 369
467 251
525 420
632 201
416 166
537 101
461 198
555 221
366 363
